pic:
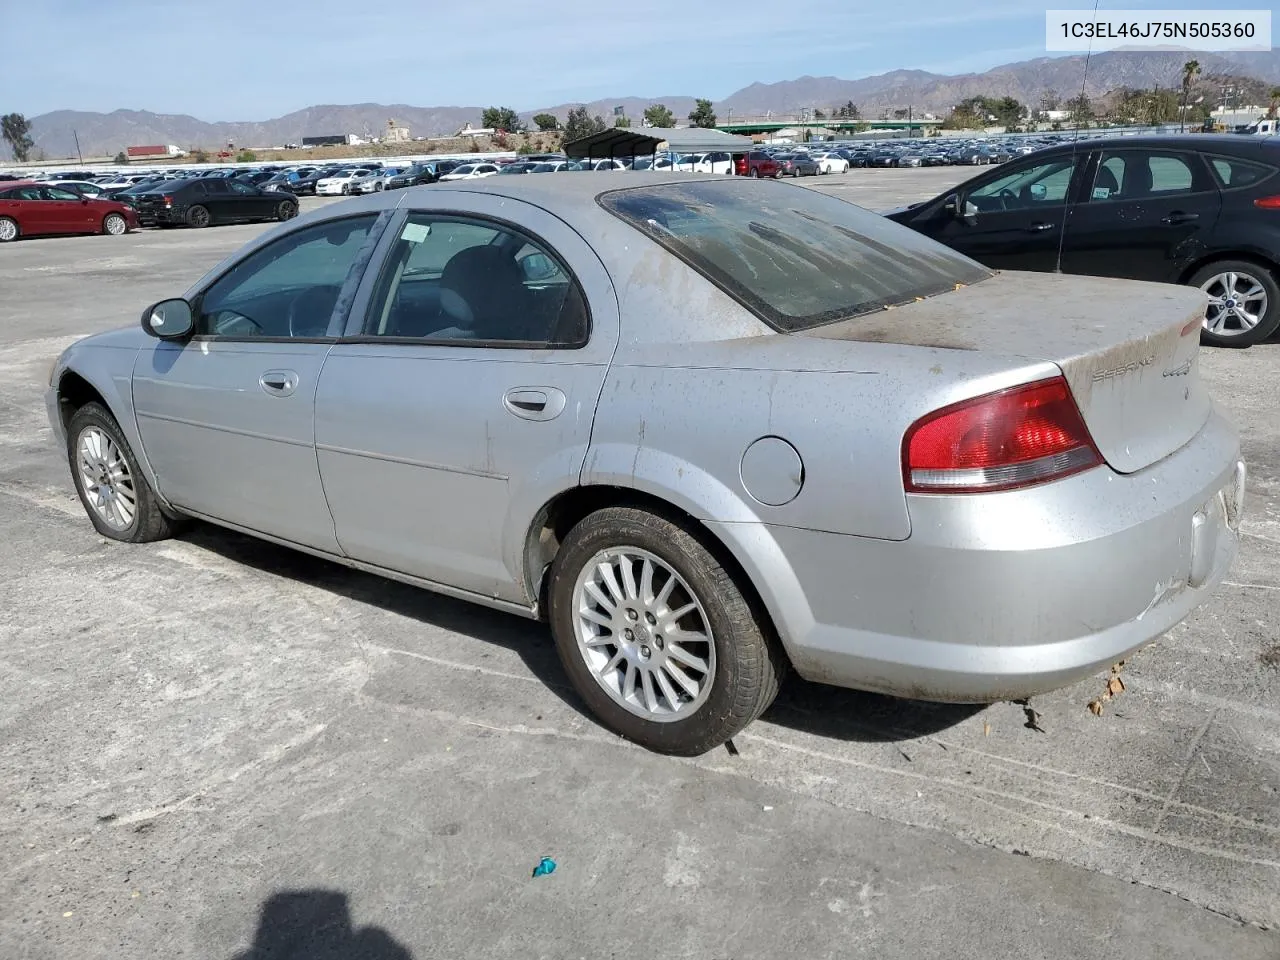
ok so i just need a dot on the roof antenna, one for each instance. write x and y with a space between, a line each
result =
1066 201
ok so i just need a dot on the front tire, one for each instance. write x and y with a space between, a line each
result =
1244 303
112 489
656 635
114 225
287 210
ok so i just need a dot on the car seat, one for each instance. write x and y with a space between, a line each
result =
482 289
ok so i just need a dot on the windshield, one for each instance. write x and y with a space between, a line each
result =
794 257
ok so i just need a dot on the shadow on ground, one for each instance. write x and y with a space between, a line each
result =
813 708
316 925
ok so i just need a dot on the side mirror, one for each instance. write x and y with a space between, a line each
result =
962 210
169 319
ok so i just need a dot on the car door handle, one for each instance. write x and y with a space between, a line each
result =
1179 217
1040 227
279 383
534 403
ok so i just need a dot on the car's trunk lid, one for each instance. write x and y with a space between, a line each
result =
1128 350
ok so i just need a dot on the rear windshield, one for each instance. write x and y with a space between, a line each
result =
794 257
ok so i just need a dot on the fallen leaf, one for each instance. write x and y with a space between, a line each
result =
68 914
1095 707
986 729
1115 686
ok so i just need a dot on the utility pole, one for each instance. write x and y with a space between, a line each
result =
78 154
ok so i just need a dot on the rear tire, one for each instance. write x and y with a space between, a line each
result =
198 217
742 665
112 489
1238 289
8 229
754 174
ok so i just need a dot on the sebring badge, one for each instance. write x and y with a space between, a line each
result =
1124 368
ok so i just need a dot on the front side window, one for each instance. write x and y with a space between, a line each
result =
288 288
1032 187
241 188
794 257
54 193
453 280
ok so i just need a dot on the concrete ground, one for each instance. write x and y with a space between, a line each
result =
213 747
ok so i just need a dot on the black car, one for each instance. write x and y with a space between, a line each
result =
208 200
421 173
306 186
1201 210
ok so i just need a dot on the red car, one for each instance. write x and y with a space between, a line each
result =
34 209
757 163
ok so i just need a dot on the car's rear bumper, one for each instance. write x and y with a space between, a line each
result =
1001 596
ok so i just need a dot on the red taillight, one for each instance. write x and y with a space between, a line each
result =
1268 203
168 200
1013 438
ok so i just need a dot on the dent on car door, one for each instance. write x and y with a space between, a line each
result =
226 418
1012 220
1145 214
465 400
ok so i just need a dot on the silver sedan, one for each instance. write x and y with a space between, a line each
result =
710 429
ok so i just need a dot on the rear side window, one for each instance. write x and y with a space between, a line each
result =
794 257
1234 172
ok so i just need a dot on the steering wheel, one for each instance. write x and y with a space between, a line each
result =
310 310
1008 193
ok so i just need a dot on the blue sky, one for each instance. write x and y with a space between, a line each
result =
239 60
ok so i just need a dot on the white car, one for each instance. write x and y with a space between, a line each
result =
90 190
340 183
374 180
714 161
831 163
471 171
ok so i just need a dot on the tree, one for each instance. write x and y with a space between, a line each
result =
622 122
818 114
546 121
702 115
121 158
16 130
581 124
659 116
1081 108
1274 96
1190 70
501 118
1050 100
847 112
525 149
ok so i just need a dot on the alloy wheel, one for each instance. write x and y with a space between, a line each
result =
643 634
106 480
1237 303
115 224
8 230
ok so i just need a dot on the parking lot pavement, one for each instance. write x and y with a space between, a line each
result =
191 730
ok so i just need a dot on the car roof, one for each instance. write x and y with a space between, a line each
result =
1180 141
7 184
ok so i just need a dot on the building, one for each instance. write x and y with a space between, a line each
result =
396 134
332 140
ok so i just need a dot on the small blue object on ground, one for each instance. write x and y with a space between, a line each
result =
545 867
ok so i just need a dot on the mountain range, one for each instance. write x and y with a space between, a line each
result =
1028 81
